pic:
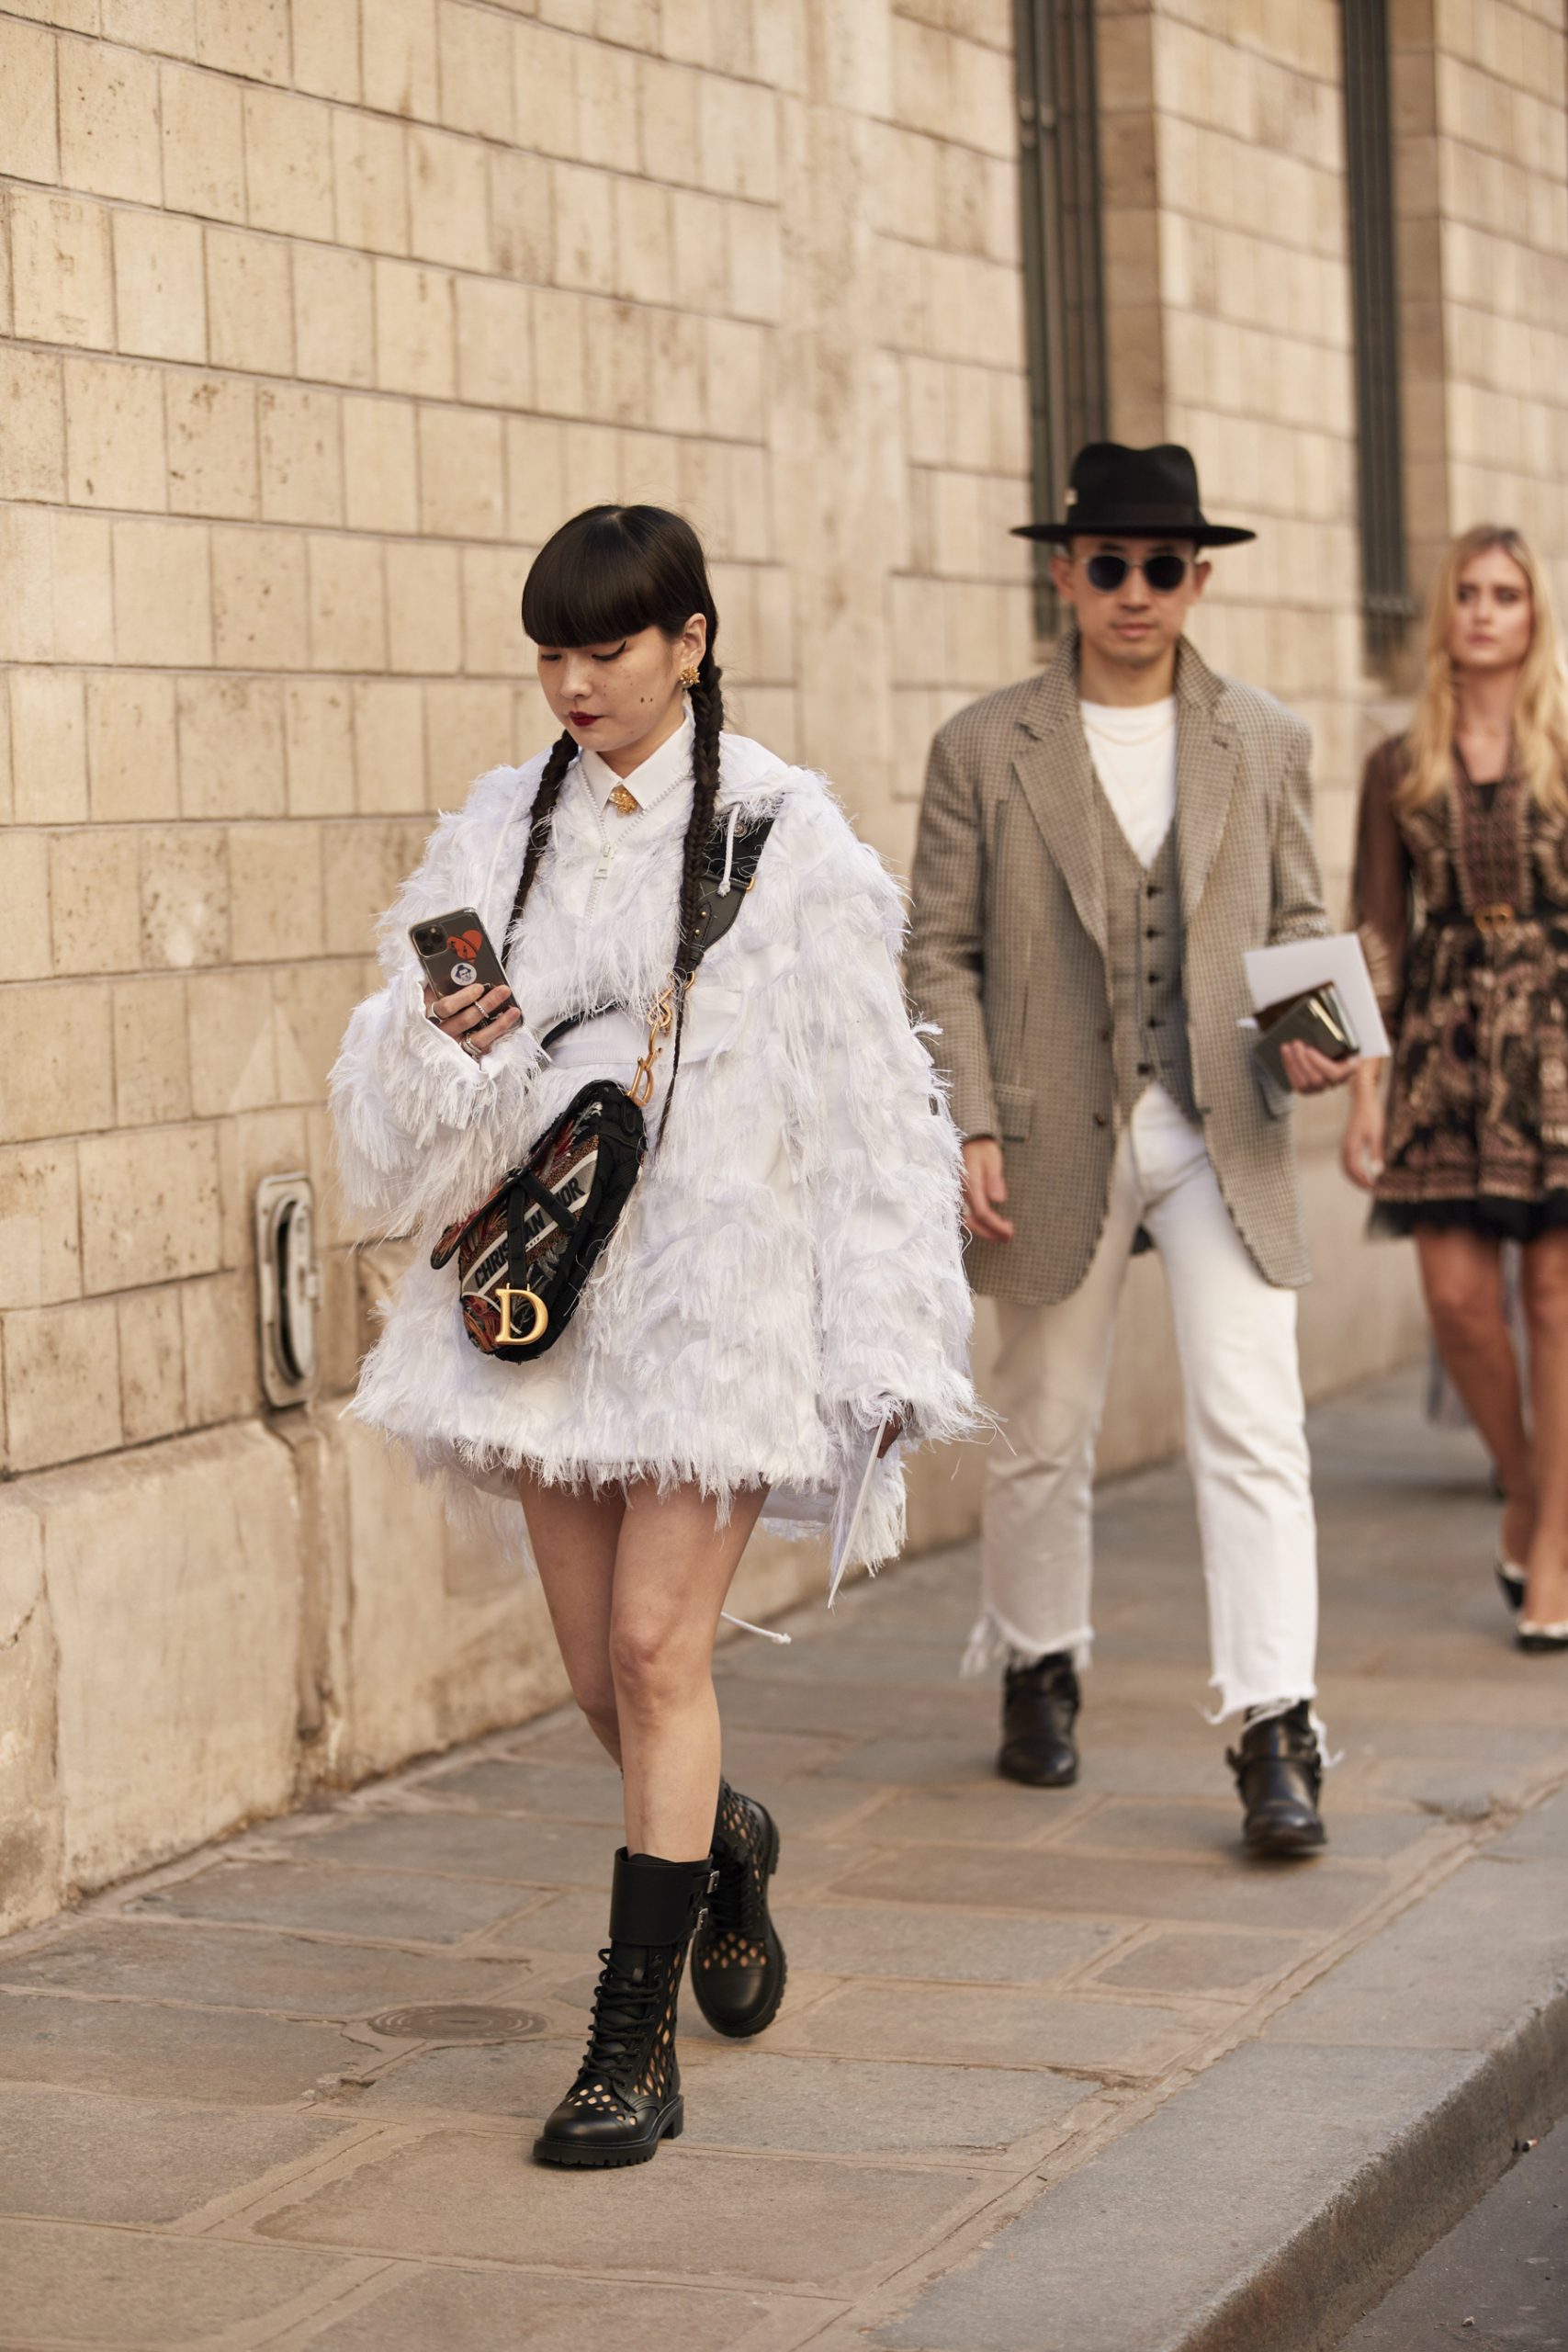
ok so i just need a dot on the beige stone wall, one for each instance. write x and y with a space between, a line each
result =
317 315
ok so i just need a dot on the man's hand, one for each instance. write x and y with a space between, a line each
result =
1309 1072
985 1190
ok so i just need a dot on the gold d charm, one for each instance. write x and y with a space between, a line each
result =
625 803
506 1337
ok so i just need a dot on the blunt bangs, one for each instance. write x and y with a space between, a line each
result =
613 571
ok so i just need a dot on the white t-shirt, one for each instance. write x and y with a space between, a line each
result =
1134 752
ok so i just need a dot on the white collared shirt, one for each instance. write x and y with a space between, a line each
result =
660 776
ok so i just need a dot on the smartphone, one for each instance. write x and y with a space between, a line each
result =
456 952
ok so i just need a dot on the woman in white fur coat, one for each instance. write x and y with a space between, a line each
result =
785 1277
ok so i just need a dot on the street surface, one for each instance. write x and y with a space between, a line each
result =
1055 2072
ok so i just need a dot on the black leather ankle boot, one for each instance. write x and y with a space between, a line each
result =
1279 1771
626 2097
737 1962
1040 1706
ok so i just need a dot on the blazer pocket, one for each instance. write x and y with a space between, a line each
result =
1015 1110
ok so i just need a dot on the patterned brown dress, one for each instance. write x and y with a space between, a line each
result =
1463 909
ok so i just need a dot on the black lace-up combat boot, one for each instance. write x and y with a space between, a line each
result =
1279 1772
1040 1706
626 2097
737 1962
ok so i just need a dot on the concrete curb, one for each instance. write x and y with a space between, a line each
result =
1278 2196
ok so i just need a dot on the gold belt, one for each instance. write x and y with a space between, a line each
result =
1496 917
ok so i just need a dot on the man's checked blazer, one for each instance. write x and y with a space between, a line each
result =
1007 954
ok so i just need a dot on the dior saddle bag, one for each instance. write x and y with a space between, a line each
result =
525 1255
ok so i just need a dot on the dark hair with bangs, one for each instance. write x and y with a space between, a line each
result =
610 572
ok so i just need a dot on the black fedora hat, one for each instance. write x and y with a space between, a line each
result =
1134 493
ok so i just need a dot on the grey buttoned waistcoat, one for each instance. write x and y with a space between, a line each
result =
1011 935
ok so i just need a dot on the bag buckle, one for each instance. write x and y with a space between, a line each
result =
660 1021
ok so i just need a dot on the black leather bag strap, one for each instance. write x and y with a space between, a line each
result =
717 909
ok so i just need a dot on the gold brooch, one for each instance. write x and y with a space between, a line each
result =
626 803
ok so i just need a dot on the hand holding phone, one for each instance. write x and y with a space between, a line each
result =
466 995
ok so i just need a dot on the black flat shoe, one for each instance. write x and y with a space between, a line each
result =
1541 1640
1040 1706
1511 1580
737 1962
627 2097
1279 1774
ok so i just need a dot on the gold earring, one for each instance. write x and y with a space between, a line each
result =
690 674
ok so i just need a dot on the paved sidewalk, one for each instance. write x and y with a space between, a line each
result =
1055 2072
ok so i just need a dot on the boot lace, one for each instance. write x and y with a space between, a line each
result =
631 2041
734 1934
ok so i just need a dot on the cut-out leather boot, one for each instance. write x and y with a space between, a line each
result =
626 2097
1279 1772
1040 1706
737 1962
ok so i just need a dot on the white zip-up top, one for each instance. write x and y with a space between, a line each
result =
790 1263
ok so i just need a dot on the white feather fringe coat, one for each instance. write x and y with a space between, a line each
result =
790 1262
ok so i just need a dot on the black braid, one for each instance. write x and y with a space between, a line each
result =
707 716
563 751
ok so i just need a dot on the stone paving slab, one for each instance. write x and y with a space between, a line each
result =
1053 2069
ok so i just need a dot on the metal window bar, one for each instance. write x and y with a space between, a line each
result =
1063 265
1387 601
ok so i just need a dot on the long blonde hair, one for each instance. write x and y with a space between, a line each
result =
1540 702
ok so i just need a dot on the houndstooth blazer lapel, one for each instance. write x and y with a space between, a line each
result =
1207 754
1057 778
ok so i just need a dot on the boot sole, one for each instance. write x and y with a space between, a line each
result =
764 2018
1288 1845
587 2159
1037 1779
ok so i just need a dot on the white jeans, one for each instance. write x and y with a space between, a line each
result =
1236 1336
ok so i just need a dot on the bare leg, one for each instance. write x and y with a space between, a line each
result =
1462 1274
673 1567
1544 1286
574 1537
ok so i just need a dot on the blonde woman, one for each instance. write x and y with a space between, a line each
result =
1461 885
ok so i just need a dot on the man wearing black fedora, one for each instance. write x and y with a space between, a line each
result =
1097 846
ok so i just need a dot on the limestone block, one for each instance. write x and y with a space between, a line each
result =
474 57
301 469
248 37
380 468
62 283
632 23
93 900
462 477
326 48
32 452
348 617
388 746
30 143
449 184
25 951
365 866
259 609
49 764
495 343
371 183
585 230
30 1875
312 1005
738 131
185 897
544 90
152 1066
667 120
230 746
219 1317
736 393
288 164
114 422
108 122
425 630
596 457
62 1385
172 1579
605 82
251 1145
467 728
152 1364
203 144
414 331
211 445
521 212
149 1207
621 385
39 1245
560 378
492 578
756 263
232 1045
275 879
248 302
399 64
334 324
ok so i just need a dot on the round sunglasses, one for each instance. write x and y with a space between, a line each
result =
1163 572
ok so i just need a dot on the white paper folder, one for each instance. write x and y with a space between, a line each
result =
1273 973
